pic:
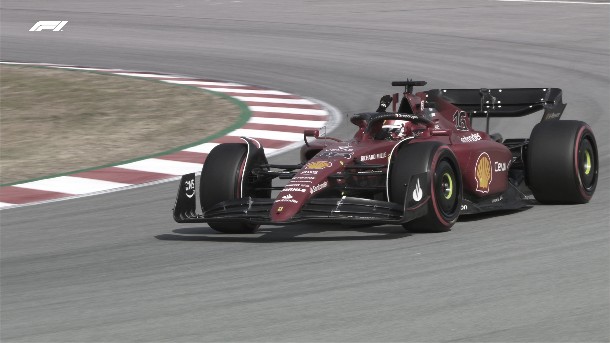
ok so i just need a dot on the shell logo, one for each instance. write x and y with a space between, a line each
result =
318 165
483 173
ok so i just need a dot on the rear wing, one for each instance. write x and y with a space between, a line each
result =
505 102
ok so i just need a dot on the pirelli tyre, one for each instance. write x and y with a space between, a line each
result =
444 183
562 162
221 180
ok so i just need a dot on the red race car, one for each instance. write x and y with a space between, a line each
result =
421 165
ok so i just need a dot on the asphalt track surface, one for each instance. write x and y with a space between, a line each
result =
115 267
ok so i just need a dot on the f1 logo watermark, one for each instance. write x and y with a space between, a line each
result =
55 25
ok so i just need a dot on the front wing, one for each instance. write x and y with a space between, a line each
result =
328 210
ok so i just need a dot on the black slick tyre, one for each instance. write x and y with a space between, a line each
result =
444 183
221 180
562 162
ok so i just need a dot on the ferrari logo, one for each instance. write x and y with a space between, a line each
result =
483 173
318 165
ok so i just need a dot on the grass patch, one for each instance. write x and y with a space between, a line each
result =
54 121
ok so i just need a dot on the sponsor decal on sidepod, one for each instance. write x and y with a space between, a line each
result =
483 173
501 166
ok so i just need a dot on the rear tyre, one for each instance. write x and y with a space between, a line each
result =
221 180
444 188
562 162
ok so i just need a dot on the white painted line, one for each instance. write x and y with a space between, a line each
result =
275 100
156 165
6 204
276 135
151 75
288 122
202 83
251 91
72 185
559 2
83 68
288 110
204 148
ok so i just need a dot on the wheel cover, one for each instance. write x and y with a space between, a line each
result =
445 191
447 185
587 164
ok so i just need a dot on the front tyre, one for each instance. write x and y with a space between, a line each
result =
562 162
445 184
221 180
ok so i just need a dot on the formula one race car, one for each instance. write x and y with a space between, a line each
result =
421 165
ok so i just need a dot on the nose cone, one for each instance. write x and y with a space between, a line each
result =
304 185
